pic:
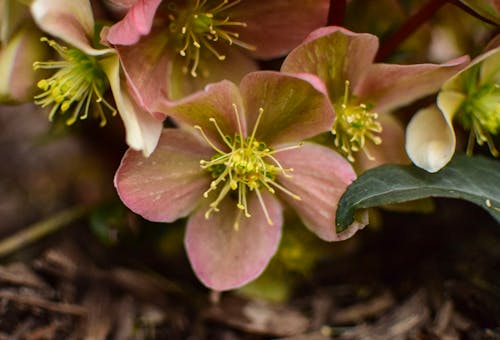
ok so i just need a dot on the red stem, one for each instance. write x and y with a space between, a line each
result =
336 14
410 26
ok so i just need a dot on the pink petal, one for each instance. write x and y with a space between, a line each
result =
210 70
71 21
335 55
147 66
168 184
216 102
135 24
274 27
389 86
142 129
293 107
224 258
320 177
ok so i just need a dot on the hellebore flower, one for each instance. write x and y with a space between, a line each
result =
238 155
472 96
362 93
85 73
20 47
174 48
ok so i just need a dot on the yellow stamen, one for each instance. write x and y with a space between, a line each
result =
248 166
354 125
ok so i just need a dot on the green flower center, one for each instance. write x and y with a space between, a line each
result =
78 83
354 125
480 112
248 166
200 27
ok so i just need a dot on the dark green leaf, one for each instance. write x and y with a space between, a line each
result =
475 179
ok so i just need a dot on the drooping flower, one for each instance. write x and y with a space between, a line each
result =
19 48
237 157
471 97
84 73
362 93
174 48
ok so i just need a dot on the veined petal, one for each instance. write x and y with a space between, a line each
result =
224 258
295 107
275 27
136 23
170 183
335 55
430 138
320 177
16 65
389 86
216 102
71 21
147 66
236 65
142 129
391 150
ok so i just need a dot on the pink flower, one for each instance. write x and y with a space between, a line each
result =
237 158
174 48
362 93
85 73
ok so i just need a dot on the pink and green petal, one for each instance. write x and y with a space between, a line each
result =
170 183
390 86
18 80
224 258
13 14
215 102
274 27
335 55
236 65
72 21
390 151
293 108
141 128
147 66
136 23
430 138
320 176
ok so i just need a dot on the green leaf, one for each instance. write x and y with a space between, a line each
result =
475 179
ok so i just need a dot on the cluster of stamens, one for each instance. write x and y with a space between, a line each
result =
480 113
354 124
248 166
78 83
201 27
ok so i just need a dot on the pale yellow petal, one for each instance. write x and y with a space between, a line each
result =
430 139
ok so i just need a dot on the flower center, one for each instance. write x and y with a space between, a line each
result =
354 124
248 166
200 27
78 82
480 112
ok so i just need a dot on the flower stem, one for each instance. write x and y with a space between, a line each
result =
336 13
411 25
40 229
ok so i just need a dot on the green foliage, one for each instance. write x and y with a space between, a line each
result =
474 179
